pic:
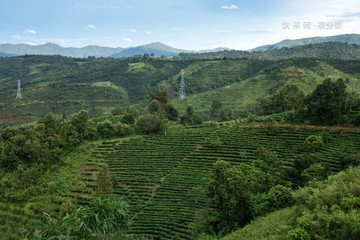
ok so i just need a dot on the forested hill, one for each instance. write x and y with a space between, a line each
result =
331 50
66 85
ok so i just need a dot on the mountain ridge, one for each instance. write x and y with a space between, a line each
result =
156 48
343 38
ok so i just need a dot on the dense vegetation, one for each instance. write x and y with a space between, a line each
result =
327 50
171 191
323 210
67 85
149 166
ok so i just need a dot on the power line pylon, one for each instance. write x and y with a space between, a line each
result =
182 86
18 93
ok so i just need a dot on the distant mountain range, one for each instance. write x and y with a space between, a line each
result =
345 38
157 48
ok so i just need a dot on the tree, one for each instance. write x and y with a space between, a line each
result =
276 198
327 103
105 129
290 97
230 192
81 123
190 117
314 142
172 113
217 111
315 172
155 106
149 123
161 94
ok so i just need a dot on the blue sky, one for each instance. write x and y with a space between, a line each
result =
185 24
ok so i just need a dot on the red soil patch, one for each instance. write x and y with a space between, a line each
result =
294 74
14 120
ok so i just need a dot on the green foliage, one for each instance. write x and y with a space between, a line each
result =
103 181
190 117
324 210
172 113
299 234
326 104
44 141
315 172
105 129
350 160
163 177
314 142
328 50
203 222
276 198
162 95
289 98
102 218
149 123
230 191
218 112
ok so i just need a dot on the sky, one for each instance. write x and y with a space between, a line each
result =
184 24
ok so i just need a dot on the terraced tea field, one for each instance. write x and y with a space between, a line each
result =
163 177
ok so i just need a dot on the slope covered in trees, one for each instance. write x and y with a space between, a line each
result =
323 210
58 84
329 50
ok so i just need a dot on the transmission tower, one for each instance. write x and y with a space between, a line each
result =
182 85
18 94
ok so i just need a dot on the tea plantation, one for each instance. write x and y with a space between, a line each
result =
164 177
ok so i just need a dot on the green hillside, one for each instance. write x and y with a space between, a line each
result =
242 97
164 177
66 85
326 50
318 208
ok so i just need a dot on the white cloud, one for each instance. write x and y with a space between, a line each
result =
223 31
30 31
91 26
148 32
16 36
32 43
229 7
126 39
130 30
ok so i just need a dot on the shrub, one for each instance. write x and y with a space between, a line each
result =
149 123
315 172
276 198
314 142
105 129
103 218
299 234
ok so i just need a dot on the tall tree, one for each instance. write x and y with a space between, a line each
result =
327 102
